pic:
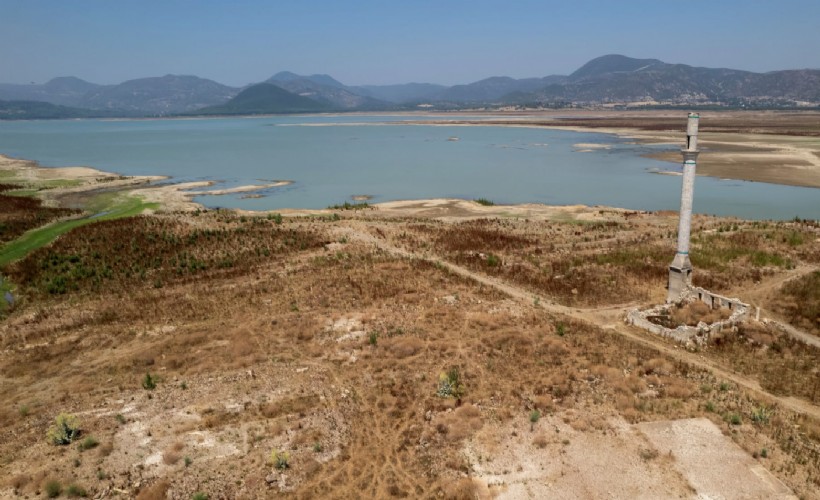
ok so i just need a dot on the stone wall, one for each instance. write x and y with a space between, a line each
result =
691 334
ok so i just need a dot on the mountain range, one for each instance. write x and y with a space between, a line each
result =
610 79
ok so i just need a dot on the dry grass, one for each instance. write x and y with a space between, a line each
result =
613 262
540 440
780 363
560 260
156 491
692 313
799 302
259 335
461 489
19 214
112 256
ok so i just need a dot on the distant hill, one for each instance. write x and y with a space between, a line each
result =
64 90
401 93
611 64
326 90
287 76
264 98
69 85
617 78
610 79
164 95
38 110
495 88
169 94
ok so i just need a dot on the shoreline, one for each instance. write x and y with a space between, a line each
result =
788 160
178 197
56 185
776 159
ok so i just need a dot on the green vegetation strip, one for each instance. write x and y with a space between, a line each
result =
109 205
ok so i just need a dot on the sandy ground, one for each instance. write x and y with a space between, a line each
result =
711 462
564 463
452 209
87 181
687 458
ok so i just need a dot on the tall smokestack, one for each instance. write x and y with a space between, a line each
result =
680 271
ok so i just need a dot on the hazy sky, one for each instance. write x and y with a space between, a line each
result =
393 41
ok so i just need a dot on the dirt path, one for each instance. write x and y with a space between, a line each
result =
607 317
762 292
769 285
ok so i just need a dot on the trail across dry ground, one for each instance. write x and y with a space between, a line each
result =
607 317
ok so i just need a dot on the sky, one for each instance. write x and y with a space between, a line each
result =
239 42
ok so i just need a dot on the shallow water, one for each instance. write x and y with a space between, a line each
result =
332 158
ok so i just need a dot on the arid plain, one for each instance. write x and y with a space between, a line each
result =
419 349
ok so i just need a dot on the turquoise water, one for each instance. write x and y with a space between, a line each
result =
331 158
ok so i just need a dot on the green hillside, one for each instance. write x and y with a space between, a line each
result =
264 98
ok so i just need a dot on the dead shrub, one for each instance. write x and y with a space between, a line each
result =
304 327
308 437
173 453
156 491
540 441
761 338
606 372
185 427
621 387
170 457
636 385
631 415
674 388
513 342
459 424
458 463
276 428
692 313
468 411
19 481
463 489
624 402
555 347
242 344
648 453
38 477
543 403
309 466
657 366
298 405
404 347
560 385
215 419
811 428
485 322
579 423
105 449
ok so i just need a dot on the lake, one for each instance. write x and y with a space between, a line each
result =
329 159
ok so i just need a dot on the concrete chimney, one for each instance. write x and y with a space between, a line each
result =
680 271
